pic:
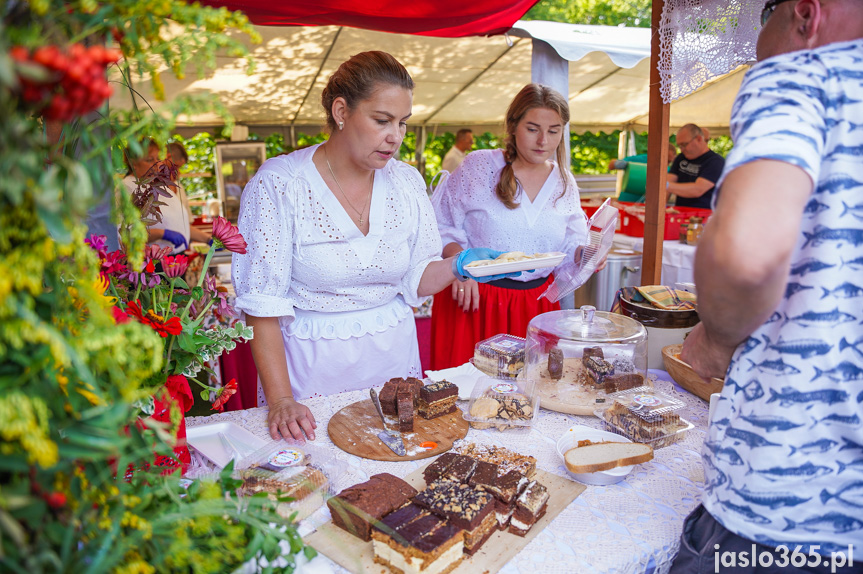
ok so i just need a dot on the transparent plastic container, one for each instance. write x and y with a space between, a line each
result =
503 404
500 356
285 467
605 352
645 415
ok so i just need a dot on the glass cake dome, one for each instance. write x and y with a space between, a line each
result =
597 351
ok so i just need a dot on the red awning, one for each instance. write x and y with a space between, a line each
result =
442 18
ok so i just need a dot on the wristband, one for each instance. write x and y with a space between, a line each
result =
455 272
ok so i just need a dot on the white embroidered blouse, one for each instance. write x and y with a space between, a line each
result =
469 212
305 253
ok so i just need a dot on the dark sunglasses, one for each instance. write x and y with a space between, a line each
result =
768 9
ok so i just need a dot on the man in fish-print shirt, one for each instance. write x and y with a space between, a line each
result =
779 272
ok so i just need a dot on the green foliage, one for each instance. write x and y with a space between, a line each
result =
604 12
202 159
78 489
721 144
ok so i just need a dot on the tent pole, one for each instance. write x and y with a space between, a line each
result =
549 68
657 162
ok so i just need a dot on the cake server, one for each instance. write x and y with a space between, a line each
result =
392 439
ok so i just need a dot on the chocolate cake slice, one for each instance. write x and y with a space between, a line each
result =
555 363
387 396
595 352
405 402
356 507
530 507
505 489
622 382
412 540
470 509
506 459
437 399
436 469
460 470
598 369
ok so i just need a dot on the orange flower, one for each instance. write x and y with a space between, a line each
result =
172 326
225 393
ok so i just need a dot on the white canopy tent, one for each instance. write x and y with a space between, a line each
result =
460 81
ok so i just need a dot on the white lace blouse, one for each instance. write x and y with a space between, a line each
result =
469 212
305 253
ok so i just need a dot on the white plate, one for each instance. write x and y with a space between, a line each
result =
604 477
552 259
464 377
205 439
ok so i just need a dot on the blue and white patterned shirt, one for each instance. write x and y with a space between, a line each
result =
784 454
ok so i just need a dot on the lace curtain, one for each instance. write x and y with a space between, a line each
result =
703 39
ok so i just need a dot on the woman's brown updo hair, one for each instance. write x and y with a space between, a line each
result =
531 96
358 77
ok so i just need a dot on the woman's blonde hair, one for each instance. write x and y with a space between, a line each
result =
358 77
531 96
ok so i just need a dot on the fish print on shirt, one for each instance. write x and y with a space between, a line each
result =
783 457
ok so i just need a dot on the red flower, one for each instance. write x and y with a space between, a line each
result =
171 326
175 266
120 316
225 393
114 263
56 500
150 267
227 234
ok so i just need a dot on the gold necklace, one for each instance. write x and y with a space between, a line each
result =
368 200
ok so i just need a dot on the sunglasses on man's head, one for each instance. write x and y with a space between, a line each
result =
768 9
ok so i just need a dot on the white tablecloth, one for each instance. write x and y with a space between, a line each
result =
633 526
678 259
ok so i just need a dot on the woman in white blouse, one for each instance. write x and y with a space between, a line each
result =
522 198
342 240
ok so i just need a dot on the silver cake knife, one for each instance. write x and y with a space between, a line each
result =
392 439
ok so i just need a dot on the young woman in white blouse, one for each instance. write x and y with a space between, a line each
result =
522 198
342 240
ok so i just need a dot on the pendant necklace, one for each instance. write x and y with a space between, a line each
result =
368 200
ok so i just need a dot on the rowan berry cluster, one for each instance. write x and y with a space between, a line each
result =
74 83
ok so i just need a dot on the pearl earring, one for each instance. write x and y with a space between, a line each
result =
341 125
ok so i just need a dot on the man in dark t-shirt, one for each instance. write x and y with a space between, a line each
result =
695 171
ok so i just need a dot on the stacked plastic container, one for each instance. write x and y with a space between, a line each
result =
501 356
645 415
504 404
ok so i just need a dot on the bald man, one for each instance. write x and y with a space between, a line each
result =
695 171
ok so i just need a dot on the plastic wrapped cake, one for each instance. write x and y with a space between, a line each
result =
579 357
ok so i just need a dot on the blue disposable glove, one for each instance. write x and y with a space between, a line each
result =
176 238
476 254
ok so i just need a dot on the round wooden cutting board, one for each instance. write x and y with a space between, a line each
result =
355 428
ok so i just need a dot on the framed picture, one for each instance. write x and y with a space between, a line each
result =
236 164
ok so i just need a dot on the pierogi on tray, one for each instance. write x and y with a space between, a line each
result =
508 257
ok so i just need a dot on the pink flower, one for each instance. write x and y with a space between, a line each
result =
114 263
156 253
175 266
97 243
228 236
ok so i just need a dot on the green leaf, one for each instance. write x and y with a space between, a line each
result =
180 283
309 552
186 342
205 395
197 293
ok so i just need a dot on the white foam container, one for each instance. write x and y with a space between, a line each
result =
580 432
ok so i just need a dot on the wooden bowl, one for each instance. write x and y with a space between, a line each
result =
684 376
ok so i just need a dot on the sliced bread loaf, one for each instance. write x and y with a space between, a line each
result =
606 455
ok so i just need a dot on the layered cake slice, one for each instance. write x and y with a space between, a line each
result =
460 470
436 469
356 507
437 399
506 459
467 508
622 382
598 369
529 507
412 540
505 489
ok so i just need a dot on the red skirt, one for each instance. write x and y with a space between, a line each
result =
454 333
